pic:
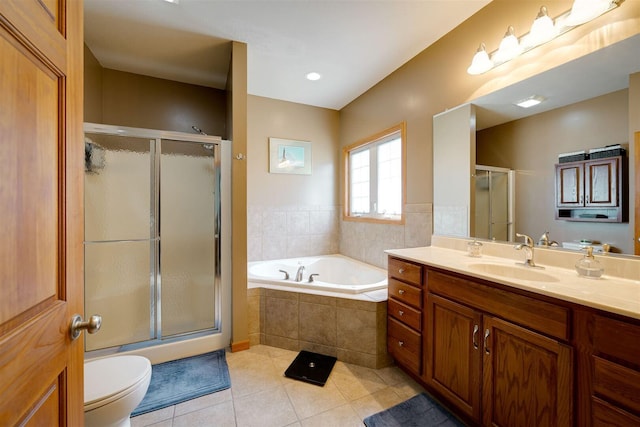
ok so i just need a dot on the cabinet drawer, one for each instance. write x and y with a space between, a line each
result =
616 383
617 338
405 293
407 315
404 344
534 314
405 271
606 415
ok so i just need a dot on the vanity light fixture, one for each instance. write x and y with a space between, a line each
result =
543 30
509 46
313 76
530 101
481 62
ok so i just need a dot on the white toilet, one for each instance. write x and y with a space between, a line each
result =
113 388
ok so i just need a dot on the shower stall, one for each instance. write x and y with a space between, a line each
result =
494 203
157 237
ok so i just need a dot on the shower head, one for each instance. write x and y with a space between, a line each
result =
197 129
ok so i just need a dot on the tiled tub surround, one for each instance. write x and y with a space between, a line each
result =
297 231
291 231
353 330
367 242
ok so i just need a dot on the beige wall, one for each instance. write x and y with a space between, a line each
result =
531 147
92 88
292 215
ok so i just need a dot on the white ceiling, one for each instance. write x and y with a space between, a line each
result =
354 44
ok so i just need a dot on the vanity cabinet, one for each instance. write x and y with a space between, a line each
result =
404 314
590 190
611 360
498 357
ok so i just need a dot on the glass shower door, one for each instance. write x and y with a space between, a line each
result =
118 240
189 273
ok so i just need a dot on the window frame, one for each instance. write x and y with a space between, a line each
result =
358 146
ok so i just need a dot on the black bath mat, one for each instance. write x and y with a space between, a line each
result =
311 367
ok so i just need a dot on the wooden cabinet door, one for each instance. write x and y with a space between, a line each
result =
453 354
601 182
527 377
570 184
41 213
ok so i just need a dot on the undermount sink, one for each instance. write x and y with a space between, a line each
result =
513 272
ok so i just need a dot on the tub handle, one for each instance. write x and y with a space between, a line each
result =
286 275
311 277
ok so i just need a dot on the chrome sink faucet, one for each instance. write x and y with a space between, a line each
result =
299 273
527 247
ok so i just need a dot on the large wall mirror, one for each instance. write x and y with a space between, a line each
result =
588 103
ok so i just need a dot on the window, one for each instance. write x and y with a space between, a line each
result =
374 171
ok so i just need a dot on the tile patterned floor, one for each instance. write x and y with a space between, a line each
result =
260 395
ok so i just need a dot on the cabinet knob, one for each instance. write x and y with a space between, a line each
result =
401 291
400 343
400 313
401 271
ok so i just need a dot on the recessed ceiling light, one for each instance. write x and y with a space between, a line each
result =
530 101
173 1
313 76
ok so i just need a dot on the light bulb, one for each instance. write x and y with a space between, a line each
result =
542 29
481 62
509 47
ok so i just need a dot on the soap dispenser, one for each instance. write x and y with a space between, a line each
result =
588 266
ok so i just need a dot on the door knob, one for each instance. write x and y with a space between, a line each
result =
77 325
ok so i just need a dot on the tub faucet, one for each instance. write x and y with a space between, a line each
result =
299 273
527 246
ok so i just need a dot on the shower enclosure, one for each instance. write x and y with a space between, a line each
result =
494 203
156 236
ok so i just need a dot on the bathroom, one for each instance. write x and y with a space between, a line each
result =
317 197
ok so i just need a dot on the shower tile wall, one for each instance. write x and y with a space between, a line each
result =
291 231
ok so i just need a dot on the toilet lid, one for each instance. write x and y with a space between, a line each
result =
105 379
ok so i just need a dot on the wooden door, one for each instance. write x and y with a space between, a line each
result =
570 184
601 182
527 377
453 354
41 216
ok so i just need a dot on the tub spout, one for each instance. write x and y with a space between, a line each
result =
299 273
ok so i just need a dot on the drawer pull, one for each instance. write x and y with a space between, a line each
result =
486 341
400 313
475 337
400 343
401 271
401 291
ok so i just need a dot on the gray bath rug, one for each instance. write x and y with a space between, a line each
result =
184 379
419 411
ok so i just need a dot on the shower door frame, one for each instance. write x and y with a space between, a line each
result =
212 338
510 197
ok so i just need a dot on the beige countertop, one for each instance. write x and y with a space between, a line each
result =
609 293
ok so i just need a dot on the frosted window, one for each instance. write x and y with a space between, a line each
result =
360 182
390 178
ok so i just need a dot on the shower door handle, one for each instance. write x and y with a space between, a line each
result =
78 325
